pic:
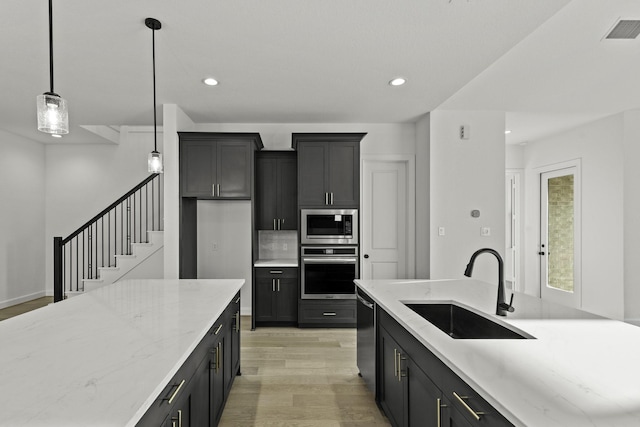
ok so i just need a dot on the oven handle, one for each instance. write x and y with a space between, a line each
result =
329 260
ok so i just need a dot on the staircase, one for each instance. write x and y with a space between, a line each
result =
124 264
123 241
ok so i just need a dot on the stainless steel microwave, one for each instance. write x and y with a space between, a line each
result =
329 226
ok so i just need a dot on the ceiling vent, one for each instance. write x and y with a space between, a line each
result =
625 29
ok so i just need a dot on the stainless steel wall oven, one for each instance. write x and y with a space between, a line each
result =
328 272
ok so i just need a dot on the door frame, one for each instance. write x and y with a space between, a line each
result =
518 236
410 162
575 163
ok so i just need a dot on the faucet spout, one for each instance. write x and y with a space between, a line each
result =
501 305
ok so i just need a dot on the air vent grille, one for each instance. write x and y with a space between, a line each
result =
625 29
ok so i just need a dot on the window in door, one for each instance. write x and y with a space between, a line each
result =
560 236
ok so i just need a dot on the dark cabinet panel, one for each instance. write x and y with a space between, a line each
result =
217 165
266 192
276 190
392 389
419 390
197 168
328 169
344 174
327 313
197 393
276 291
312 172
234 169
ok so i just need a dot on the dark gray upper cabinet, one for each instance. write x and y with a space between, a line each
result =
276 190
328 169
217 165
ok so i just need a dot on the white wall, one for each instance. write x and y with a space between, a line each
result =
423 228
466 175
599 147
22 219
224 243
631 143
82 180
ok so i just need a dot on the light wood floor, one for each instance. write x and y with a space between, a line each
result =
299 377
14 310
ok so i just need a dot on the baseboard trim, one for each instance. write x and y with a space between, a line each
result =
635 322
20 300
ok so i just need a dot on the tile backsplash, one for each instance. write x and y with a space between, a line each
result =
278 244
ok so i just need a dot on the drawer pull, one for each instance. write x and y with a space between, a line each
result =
329 313
473 413
175 393
275 271
237 300
218 330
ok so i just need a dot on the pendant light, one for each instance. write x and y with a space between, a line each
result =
155 158
53 116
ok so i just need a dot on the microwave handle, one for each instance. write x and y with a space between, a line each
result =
329 260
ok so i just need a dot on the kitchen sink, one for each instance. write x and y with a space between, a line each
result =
461 323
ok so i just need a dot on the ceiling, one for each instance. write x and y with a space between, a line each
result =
307 61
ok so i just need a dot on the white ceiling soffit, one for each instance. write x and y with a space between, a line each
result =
280 61
564 74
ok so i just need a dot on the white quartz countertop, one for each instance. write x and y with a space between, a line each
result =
101 358
581 370
283 262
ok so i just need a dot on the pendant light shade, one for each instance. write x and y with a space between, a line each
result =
53 116
154 162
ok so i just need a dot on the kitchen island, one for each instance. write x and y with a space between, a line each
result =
579 370
105 357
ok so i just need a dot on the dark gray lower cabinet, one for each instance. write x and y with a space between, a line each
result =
196 395
417 389
327 313
276 298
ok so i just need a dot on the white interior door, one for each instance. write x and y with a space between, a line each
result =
560 229
388 221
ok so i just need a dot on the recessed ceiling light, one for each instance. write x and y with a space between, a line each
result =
507 132
210 81
398 81
55 135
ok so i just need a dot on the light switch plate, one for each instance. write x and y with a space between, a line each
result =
440 231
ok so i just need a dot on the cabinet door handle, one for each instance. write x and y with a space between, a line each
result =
218 330
213 190
237 300
274 224
395 362
179 417
275 271
218 190
273 285
329 313
439 407
399 369
219 356
175 393
331 198
474 414
278 281
326 198
237 321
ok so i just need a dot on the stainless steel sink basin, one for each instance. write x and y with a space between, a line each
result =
461 323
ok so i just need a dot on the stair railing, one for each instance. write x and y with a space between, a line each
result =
110 233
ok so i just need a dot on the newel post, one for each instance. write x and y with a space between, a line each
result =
58 291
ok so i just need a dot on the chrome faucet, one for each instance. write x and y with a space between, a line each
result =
501 306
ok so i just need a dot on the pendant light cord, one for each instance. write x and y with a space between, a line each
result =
51 44
155 131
